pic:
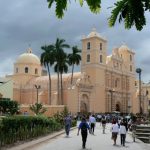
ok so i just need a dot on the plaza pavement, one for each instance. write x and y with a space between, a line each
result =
98 141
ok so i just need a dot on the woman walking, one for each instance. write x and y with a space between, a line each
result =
115 130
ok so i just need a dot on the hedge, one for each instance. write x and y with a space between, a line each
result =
18 128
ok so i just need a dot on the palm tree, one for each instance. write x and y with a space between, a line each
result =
59 47
63 68
74 58
47 59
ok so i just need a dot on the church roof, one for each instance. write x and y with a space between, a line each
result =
54 77
28 58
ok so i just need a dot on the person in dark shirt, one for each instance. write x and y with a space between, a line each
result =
103 124
84 131
67 122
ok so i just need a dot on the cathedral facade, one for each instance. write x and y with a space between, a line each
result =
105 83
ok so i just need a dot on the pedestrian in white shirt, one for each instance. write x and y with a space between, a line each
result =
92 122
122 133
115 130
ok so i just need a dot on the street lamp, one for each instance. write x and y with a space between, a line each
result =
111 96
139 70
37 88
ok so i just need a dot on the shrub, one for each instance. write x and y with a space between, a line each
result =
17 128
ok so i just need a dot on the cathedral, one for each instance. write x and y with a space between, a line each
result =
106 83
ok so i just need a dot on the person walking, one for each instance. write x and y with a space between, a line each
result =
84 127
103 124
67 122
122 133
115 130
92 122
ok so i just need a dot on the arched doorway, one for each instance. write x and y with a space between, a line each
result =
118 106
84 104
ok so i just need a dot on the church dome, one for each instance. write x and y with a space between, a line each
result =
28 58
94 33
123 48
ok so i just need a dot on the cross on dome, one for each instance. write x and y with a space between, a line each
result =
29 50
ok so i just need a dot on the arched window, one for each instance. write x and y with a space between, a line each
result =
88 58
36 71
116 83
130 57
26 70
131 68
16 70
101 59
88 45
100 46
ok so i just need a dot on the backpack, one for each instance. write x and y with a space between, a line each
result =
84 127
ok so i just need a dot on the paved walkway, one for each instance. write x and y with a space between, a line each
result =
98 141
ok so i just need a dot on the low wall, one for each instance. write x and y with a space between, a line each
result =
51 109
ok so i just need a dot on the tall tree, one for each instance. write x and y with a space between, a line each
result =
131 12
74 58
47 59
59 47
63 68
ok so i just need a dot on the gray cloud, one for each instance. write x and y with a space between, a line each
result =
31 22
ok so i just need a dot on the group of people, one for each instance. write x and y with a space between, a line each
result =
118 126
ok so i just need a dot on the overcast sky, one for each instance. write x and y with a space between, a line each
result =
30 22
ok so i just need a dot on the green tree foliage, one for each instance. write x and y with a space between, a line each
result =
61 6
48 59
59 116
59 53
38 109
63 68
74 58
131 12
9 107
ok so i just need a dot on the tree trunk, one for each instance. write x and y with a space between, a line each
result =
72 74
58 86
61 89
49 87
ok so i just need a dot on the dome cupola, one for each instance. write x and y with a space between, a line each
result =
28 58
28 64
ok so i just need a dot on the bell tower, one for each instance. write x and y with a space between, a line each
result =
93 53
94 64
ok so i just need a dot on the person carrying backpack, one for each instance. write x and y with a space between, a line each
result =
84 131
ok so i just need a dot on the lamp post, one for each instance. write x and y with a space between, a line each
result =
37 89
111 96
139 70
